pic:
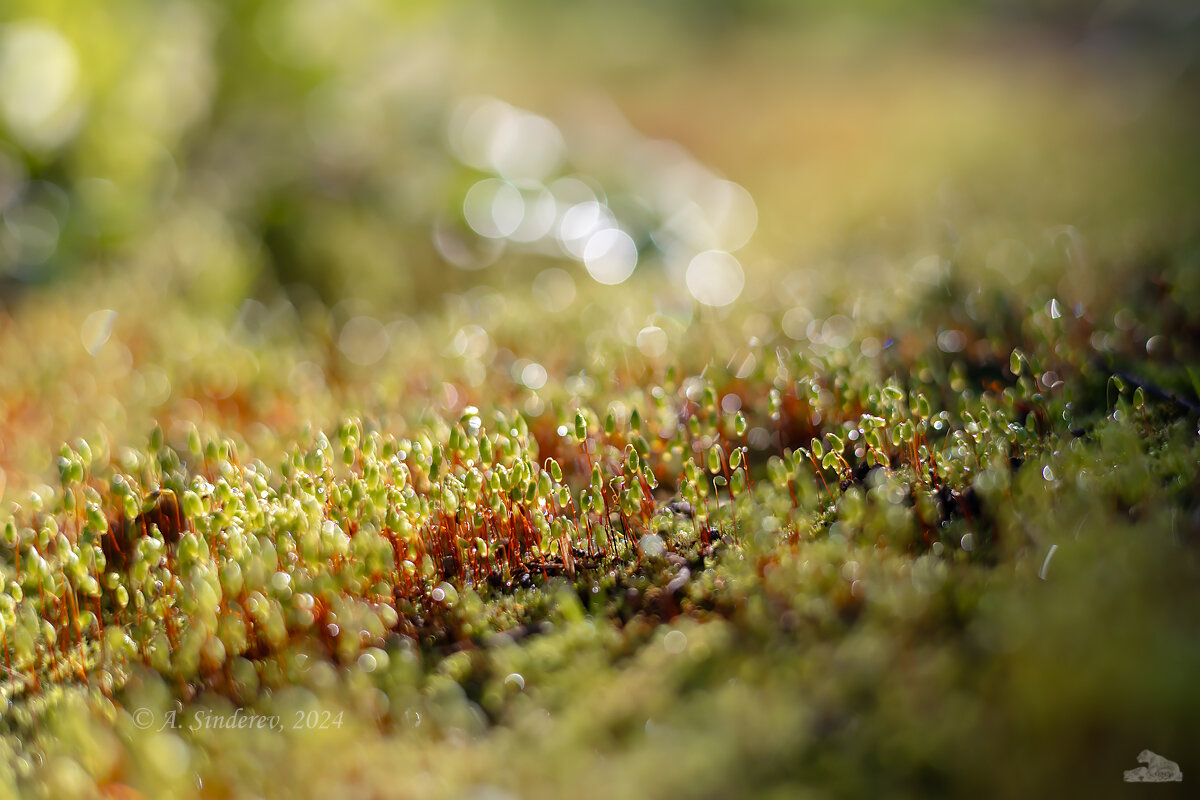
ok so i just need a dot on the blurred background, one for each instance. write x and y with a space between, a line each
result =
392 151
212 209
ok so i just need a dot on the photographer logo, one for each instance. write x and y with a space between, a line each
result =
1156 770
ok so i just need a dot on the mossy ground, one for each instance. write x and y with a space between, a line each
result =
917 515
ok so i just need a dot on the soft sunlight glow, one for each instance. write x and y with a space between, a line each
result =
39 72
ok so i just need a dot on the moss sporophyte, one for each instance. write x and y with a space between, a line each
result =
354 434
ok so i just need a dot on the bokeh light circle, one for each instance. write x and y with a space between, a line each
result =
610 256
715 278
494 208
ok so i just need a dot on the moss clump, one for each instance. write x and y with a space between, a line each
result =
366 491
